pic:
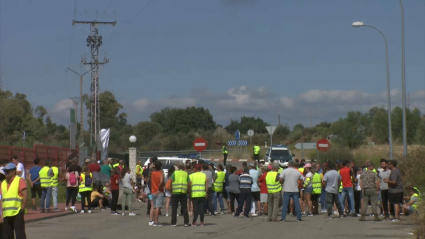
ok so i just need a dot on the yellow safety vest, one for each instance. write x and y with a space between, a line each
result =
224 150
317 183
12 202
141 170
280 170
419 192
45 179
55 177
198 180
115 165
415 206
83 187
104 189
301 170
180 182
256 149
218 183
272 185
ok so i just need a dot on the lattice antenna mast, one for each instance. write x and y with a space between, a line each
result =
94 41
81 100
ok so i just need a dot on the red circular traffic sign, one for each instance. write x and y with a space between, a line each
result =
323 145
199 144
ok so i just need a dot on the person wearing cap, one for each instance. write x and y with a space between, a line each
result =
273 188
199 187
291 178
308 188
369 183
412 205
245 195
263 190
46 174
14 197
255 190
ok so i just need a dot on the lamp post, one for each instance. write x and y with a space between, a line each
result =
403 83
390 140
132 157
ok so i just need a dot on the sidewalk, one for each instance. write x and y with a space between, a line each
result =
32 216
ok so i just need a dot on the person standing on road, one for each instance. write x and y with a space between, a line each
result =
72 177
139 172
209 205
233 189
308 188
384 174
218 188
273 188
317 189
291 178
199 187
20 169
127 195
347 186
369 183
86 187
55 184
263 190
14 195
331 182
256 150
180 180
105 168
395 189
255 190
157 185
34 178
245 196
115 189
224 154
46 174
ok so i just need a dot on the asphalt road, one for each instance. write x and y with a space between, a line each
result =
102 225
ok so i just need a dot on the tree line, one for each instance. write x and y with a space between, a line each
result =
176 128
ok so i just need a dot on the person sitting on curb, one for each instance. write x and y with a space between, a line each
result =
412 205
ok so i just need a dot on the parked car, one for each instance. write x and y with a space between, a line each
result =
279 153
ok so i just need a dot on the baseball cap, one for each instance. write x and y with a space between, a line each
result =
9 166
307 166
87 160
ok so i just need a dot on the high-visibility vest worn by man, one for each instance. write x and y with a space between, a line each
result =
45 179
198 180
224 150
83 187
55 177
317 184
179 184
273 186
139 171
256 149
218 183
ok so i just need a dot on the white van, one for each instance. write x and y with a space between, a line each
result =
167 162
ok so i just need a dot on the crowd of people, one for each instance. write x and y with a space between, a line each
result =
342 189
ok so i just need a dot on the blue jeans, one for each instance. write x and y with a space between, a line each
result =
286 199
350 192
323 200
220 199
55 197
46 194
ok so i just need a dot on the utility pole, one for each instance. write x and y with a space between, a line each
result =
81 100
94 41
73 124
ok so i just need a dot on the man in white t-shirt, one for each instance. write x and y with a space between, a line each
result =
291 178
20 169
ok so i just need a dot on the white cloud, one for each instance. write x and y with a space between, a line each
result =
63 105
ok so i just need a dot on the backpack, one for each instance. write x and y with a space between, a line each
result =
87 181
72 179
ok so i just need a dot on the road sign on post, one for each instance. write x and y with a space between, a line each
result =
250 133
200 144
303 146
271 130
323 145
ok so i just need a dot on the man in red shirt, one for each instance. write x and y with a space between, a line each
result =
263 189
347 186
94 166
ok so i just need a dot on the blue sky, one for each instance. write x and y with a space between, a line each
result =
235 57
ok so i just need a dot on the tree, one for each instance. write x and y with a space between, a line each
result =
145 131
282 130
379 126
351 129
247 123
298 127
420 133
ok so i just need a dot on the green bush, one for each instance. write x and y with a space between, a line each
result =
61 196
333 154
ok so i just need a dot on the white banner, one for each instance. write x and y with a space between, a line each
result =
104 140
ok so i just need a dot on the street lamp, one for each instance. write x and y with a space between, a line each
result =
132 157
403 82
361 24
132 139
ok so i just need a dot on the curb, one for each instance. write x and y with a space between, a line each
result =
48 217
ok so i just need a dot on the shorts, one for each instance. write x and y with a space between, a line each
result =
308 190
411 209
264 197
395 198
167 193
36 189
256 196
157 200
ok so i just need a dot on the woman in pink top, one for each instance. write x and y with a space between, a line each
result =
72 177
